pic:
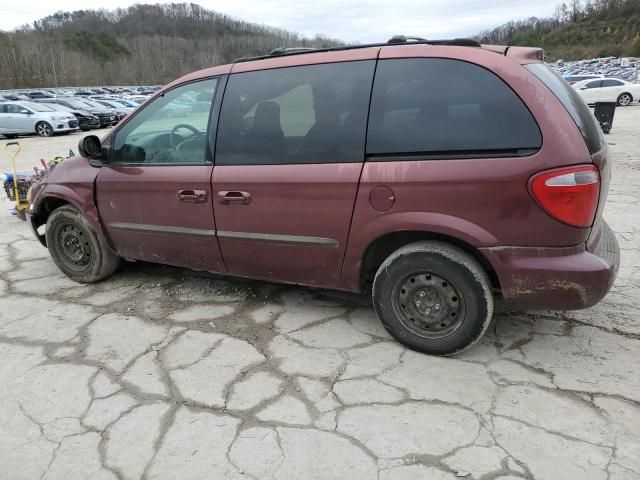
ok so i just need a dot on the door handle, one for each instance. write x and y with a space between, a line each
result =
192 196
234 198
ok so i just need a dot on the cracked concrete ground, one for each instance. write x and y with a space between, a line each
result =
162 373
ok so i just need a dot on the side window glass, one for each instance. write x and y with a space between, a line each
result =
611 83
172 129
439 106
15 109
309 114
596 84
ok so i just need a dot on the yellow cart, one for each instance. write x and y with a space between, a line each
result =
17 186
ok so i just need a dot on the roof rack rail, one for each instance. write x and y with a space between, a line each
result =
289 50
397 40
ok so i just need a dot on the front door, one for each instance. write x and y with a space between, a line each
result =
289 154
154 197
16 119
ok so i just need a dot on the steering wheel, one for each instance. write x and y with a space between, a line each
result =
173 136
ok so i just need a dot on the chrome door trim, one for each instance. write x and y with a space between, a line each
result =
282 239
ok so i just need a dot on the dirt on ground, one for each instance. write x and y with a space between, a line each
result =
163 373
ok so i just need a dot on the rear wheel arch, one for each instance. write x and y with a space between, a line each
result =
382 247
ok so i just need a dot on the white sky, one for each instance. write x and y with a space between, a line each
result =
354 20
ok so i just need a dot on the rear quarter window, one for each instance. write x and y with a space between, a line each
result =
447 107
573 103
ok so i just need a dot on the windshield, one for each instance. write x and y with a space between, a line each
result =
93 104
76 104
37 107
125 103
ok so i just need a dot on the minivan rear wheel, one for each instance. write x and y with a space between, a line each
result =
433 297
81 253
43 129
624 99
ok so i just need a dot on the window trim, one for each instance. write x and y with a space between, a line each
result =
208 155
453 154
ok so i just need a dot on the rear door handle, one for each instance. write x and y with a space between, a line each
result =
234 197
192 196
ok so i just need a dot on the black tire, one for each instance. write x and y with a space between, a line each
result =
432 276
625 99
79 252
43 129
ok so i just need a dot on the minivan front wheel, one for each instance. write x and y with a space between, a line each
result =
433 297
76 249
43 129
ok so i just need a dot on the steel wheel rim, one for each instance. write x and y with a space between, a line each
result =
427 304
75 249
625 100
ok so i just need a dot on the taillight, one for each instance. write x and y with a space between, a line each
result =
568 194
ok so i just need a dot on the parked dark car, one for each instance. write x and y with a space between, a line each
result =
437 175
86 121
106 117
36 95
15 97
95 106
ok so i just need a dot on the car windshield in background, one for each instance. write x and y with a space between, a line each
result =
574 104
37 107
60 108
76 104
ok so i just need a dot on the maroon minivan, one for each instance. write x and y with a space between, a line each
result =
439 175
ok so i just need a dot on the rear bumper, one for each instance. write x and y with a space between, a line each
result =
556 278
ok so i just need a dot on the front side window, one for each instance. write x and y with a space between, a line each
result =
446 107
308 114
172 129
14 108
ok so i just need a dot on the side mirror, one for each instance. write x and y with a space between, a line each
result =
90 147
583 88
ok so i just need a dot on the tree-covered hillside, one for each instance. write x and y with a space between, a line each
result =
142 44
579 29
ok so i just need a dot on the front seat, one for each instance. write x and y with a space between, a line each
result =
265 135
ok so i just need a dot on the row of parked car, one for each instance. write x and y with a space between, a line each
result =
623 68
607 79
52 111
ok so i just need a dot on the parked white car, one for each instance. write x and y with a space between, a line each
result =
29 117
608 90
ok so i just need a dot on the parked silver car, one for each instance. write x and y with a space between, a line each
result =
30 117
